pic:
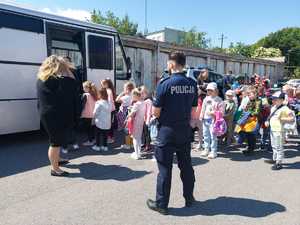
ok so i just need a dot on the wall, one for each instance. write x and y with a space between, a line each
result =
149 60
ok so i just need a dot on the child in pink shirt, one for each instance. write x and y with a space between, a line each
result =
137 114
89 99
148 114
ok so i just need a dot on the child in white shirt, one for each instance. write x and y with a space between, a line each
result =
211 103
102 117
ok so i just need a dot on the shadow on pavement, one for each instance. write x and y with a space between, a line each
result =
237 155
94 171
230 206
28 151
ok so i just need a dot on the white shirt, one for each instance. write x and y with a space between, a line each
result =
209 105
126 100
102 114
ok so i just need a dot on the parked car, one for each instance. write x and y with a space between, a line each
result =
294 82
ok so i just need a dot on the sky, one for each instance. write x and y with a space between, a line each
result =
239 21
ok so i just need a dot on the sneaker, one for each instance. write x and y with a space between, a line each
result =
125 147
96 148
276 166
88 143
104 148
212 155
76 147
134 156
204 153
65 150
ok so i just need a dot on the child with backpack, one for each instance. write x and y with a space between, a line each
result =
211 104
125 99
280 115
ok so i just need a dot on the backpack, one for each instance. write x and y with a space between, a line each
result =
219 126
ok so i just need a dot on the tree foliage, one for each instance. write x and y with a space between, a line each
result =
262 52
287 40
240 49
195 39
123 25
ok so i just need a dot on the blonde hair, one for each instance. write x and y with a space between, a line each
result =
91 87
137 92
53 66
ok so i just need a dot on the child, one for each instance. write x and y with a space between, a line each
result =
125 100
89 99
210 104
109 86
102 116
265 142
230 108
137 114
249 129
280 114
148 113
196 124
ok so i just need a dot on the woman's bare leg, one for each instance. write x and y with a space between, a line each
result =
53 154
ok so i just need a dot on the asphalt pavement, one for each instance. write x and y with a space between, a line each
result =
111 188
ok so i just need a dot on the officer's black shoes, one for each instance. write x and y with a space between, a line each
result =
270 161
277 166
190 202
153 206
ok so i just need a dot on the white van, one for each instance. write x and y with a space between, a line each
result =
27 37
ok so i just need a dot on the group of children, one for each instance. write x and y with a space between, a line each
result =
244 114
100 116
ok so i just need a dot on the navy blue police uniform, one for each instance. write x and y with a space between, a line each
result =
175 95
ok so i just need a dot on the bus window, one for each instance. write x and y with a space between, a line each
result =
69 49
100 51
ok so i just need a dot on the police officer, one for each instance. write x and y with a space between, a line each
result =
175 102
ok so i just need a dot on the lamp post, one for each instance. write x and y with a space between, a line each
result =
146 18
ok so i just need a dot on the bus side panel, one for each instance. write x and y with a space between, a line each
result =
22 46
18 116
17 81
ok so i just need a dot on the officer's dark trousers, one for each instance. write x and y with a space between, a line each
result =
164 156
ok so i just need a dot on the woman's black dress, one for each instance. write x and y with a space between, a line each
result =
57 102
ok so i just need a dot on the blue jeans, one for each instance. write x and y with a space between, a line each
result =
265 140
210 140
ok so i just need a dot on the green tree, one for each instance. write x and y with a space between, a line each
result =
287 40
241 49
123 25
262 52
194 39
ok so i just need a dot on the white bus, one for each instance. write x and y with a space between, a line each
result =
27 37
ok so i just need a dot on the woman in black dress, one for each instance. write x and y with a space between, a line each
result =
56 91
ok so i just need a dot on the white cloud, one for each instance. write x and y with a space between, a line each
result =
71 13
